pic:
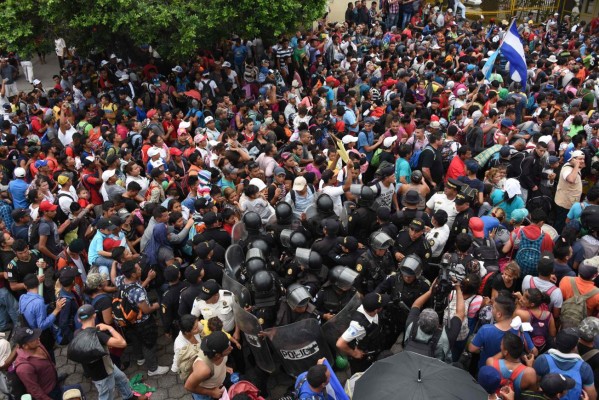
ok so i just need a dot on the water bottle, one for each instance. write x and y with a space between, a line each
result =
235 377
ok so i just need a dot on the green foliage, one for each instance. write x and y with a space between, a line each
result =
176 28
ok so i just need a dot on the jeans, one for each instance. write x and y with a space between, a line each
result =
117 379
104 264
392 20
462 7
8 310
196 396
405 19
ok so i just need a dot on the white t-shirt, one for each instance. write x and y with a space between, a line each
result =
180 342
439 201
65 201
66 138
335 192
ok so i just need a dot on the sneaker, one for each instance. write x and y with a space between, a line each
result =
141 362
159 371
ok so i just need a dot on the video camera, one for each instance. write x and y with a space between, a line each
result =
450 271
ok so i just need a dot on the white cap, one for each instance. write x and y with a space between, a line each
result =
158 163
545 139
36 81
299 183
153 151
512 187
124 77
576 154
435 125
349 139
258 182
185 124
103 63
106 175
113 55
226 64
462 92
206 120
388 142
477 115
20 172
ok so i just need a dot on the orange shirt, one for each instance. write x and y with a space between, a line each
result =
583 287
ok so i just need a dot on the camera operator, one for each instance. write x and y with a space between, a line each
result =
403 288
425 335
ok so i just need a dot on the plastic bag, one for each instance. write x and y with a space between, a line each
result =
86 347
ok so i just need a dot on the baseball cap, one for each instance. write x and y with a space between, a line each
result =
72 394
462 92
279 171
489 379
47 206
589 328
259 183
349 242
41 163
588 268
62 179
477 226
412 197
105 223
552 160
209 289
553 384
216 342
109 173
373 300
299 183
20 172
417 224
285 155
153 151
25 335
507 123
349 139
67 276
193 272
177 69
518 215
369 120
19 213
472 165
86 311
576 154
204 248
171 273
210 218
388 142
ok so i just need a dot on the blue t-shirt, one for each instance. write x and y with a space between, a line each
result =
17 189
349 118
497 197
489 338
305 392
365 139
542 367
576 211
402 168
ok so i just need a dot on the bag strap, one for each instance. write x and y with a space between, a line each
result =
590 294
574 287
590 354
516 372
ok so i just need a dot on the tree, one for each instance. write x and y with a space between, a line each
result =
176 28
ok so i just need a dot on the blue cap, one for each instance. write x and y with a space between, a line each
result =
470 67
41 163
472 165
519 214
507 122
369 120
489 379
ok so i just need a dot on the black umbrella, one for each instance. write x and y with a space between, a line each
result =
410 376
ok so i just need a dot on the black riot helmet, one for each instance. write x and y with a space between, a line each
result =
292 239
380 240
284 213
309 258
252 221
263 281
411 265
324 204
364 193
261 245
254 261
342 277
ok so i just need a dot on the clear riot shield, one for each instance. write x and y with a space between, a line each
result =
233 260
311 212
333 328
250 326
242 294
238 232
348 207
299 345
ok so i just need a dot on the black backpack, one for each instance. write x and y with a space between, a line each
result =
424 348
34 233
206 90
60 215
485 250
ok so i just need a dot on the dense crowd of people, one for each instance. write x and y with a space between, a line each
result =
366 175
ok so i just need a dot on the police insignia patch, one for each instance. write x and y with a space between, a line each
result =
431 242
359 267
261 321
427 255
290 271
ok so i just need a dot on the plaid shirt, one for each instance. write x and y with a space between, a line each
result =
394 8
5 214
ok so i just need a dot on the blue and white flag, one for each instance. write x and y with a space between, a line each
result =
334 388
488 67
513 51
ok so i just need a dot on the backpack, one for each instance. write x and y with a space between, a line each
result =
540 328
548 292
486 251
515 376
310 187
574 373
424 348
206 90
574 309
134 142
60 214
93 304
123 312
376 158
529 253
447 153
34 233
187 357
485 284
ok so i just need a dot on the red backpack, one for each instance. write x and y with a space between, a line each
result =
516 376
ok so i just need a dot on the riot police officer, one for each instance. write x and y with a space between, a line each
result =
266 291
412 241
375 263
322 246
193 275
296 306
254 263
306 269
383 222
362 219
403 288
362 339
284 215
410 211
336 292
346 252
253 227
170 299
324 210
460 223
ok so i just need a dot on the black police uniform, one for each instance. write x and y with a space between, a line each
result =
170 307
388 228
460 225
346 259
420 247
403 295
188 296
323 247
361 223
404 217
314 224
212 270
219 235
331 300
312 280
373 270
254 235
286 315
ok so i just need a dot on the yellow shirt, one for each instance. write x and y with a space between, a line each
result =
206 331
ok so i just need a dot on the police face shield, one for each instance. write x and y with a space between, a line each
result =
298 296
343 277
411 266
234 259
292 239
380 241
309 259
260 245
311 212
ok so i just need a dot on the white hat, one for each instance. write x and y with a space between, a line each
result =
226 64
552 58
349 139
449 10
258 182
20 172
388 142
207 120
103 63
512 187
178 69
299 183
545 139
576 154
477 115
185 124
124 77
109 173
113 55
153 151
435 46
435 125
462 92
36 81
295 83
158 163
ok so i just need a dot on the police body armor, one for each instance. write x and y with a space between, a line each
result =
361 223
371 343
374 269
